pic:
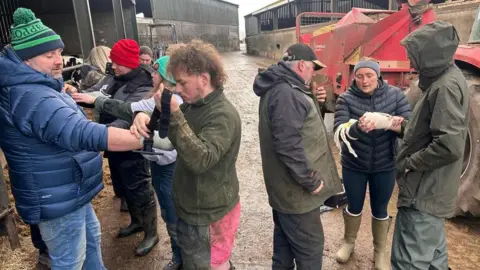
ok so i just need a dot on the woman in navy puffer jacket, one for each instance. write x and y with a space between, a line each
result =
370 158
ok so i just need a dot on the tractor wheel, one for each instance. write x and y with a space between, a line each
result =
468 197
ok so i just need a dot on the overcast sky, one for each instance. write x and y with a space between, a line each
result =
246 7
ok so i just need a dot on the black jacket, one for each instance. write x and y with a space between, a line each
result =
375 150
130 87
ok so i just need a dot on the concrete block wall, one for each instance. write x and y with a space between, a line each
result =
223 37
461 15
273 44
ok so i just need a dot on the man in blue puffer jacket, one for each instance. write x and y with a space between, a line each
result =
50 146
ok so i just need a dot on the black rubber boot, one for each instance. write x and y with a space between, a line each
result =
231 266
135 223
123 205
150 239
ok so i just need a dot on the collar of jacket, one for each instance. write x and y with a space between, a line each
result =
425 82
382 86
294 80
209 98
139 77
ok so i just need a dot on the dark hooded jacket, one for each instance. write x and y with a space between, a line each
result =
130 87
376 149
430 160
296 154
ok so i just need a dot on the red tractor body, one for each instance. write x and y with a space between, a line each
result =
357 35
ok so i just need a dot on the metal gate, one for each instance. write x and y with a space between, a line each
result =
7 7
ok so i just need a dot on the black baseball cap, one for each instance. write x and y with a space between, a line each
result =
301 51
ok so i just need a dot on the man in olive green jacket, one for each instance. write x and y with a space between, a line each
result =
430 160
298 165
206 131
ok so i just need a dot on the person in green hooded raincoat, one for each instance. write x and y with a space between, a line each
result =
429 162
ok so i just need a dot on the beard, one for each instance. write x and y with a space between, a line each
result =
56 73
194 99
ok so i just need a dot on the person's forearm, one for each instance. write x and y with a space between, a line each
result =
397 129
120 140
114 107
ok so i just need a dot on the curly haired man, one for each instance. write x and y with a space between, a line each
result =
206 132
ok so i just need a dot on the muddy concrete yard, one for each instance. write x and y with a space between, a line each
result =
253 247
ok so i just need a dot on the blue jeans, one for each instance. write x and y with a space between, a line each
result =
73 240
380 184
162 181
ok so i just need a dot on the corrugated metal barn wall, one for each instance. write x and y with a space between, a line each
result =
342 6
263 21
251 25
199 11
211 20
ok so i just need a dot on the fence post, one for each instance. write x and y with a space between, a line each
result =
83 18
7 221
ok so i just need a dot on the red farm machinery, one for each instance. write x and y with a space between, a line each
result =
377 34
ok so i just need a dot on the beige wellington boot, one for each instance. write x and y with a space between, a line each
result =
380 231
352 225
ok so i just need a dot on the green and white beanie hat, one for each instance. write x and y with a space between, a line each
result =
30 37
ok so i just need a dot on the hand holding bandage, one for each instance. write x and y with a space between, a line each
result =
375 120
368 122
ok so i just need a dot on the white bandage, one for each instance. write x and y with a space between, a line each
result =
381 120
342 132
163 144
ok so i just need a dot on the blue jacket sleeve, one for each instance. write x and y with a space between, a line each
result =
342 116
50 119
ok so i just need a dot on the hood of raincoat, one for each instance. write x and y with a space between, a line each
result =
431 49
276 74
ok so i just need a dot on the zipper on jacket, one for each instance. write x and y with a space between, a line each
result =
417 189
372 139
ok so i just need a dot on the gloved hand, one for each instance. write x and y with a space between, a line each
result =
160 143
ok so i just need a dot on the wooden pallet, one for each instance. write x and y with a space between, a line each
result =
7 220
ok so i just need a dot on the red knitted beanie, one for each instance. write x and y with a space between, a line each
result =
126 52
